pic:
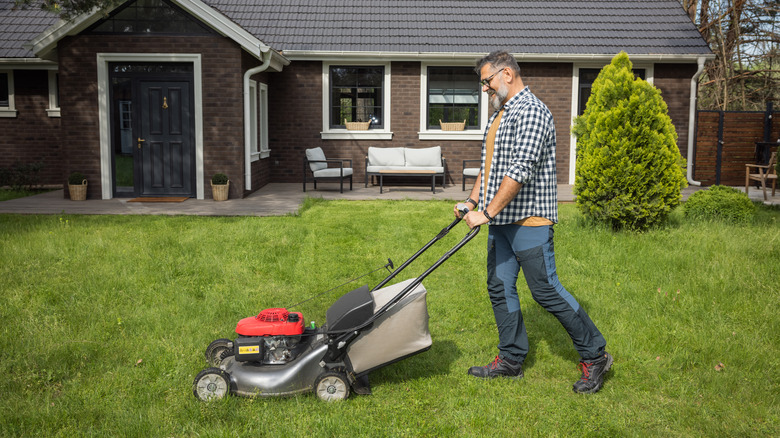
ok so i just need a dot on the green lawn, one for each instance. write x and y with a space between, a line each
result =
105 320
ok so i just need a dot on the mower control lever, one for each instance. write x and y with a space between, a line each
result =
462 209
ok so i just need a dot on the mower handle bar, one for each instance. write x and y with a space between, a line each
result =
463 209
466 239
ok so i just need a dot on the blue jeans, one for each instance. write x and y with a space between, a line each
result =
512 248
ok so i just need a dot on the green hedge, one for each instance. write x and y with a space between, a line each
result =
720 203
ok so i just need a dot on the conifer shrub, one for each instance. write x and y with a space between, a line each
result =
629 170
720 203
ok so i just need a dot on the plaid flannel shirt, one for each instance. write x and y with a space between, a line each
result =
524 151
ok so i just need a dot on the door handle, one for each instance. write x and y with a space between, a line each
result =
140 140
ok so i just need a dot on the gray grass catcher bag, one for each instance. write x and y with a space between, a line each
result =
400 332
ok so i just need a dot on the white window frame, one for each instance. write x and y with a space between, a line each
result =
54 109
329 133
254 153
265 150
437 134
10 110
258 114
649 69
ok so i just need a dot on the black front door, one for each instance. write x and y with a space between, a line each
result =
153 122
166 158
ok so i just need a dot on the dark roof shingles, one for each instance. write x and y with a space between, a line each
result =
465 26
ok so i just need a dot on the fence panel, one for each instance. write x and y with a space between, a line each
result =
739 132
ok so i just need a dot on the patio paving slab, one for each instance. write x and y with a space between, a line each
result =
276 199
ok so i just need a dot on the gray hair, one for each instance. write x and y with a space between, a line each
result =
500 59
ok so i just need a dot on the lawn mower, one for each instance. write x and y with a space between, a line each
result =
277 354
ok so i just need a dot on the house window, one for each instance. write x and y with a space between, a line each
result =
7 108
258 112
356 95
587 77
453 96
150 17
263 122
54 94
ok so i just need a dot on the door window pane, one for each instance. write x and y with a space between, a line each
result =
4 99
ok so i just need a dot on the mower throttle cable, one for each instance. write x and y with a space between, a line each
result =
389 267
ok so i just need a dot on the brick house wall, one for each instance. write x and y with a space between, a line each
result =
552 82
300 87
32 136
298 91
295 112
674 81
223 144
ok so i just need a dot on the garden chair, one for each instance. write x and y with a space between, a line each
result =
765 172
315 162
470 172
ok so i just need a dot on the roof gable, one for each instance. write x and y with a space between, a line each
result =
49 30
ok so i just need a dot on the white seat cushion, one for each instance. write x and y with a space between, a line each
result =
333 172
386 169
424 157
385 156
471 171
316 154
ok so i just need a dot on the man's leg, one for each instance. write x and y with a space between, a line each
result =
503 270
535 253
502 273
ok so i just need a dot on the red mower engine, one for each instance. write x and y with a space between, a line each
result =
269 338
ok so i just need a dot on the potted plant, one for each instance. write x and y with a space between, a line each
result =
77 186
220 186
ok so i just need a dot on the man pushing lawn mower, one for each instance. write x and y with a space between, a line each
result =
516 192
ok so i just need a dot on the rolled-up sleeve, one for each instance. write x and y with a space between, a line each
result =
528 143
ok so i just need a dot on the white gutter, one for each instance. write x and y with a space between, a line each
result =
247 127
319 55
692 122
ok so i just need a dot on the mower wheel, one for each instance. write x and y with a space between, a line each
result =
332 386
211 384
219 350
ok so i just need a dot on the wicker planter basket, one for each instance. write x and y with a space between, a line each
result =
220 191
78 192
356 126
453 126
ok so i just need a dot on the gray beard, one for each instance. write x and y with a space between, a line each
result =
499 96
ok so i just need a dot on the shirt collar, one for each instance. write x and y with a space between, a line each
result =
516 98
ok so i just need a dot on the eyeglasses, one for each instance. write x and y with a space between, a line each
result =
486 82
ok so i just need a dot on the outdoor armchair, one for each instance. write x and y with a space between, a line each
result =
765 172
314 161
